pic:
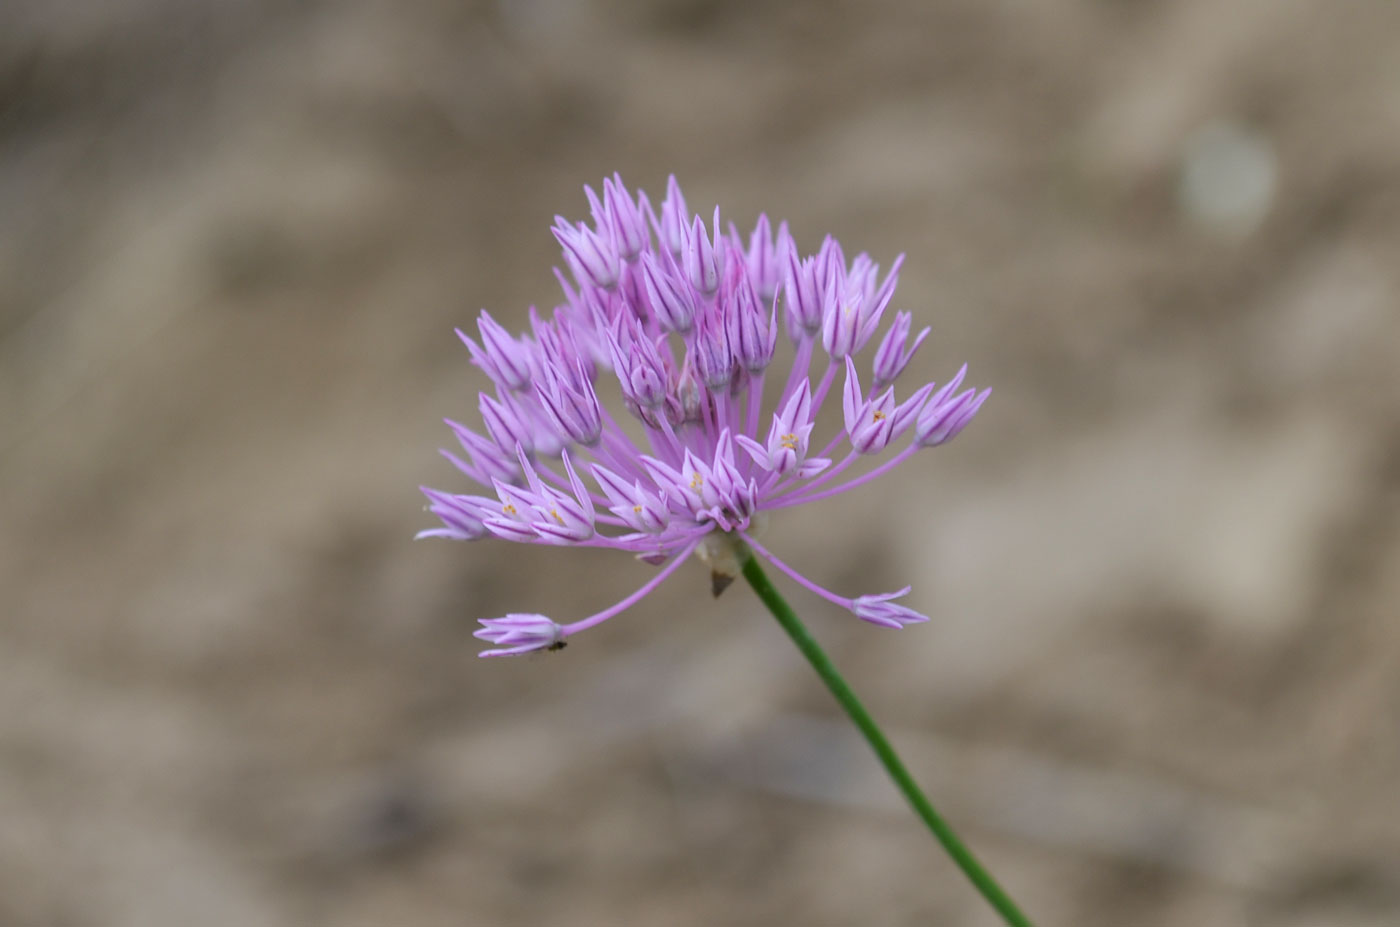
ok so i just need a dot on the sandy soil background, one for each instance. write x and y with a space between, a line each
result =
1162 683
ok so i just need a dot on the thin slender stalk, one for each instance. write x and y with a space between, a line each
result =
945 835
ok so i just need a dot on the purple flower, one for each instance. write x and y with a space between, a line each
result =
683 321
701 261
590 254
673 305
804 302
879 609
892 357
461 517
873 423
519 634
763 258
624 216
946 414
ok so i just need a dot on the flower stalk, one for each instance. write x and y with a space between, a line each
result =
995 895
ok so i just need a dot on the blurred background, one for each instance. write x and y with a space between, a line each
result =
1162 682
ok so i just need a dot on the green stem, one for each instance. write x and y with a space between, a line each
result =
961 855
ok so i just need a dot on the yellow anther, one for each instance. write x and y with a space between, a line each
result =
508 509
697 481
637 509
878 416
789 442
555 513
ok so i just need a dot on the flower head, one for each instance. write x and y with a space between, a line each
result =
682 319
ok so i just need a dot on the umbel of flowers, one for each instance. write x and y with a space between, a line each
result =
681 316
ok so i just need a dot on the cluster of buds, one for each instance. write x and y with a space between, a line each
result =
684 316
